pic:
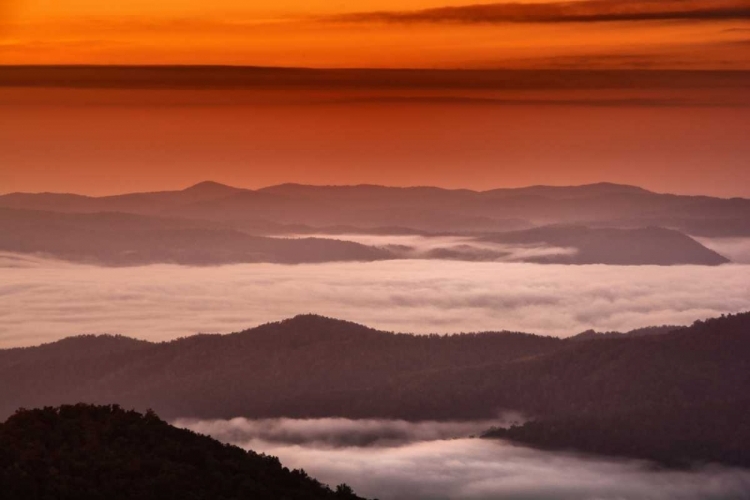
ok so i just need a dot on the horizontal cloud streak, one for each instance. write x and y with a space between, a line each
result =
565 12
471 469
43 300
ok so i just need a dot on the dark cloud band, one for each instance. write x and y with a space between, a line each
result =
565 12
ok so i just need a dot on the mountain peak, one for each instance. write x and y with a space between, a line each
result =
212 187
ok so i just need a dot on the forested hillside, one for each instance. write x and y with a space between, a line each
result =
312 366
663 389
86 452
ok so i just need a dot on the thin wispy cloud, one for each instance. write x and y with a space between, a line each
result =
564 12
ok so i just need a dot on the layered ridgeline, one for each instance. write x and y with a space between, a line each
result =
215 224
120 239
419 208
87 452
692 379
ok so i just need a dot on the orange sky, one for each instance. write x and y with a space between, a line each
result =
673 135
379 33
676 133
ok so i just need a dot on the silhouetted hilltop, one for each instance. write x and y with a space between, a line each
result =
570 192
638 332
211 189
420 208
86 452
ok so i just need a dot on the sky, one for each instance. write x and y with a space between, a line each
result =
668 136
475 126
380 33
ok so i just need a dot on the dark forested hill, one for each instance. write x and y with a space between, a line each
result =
86 452
303 367
312 366
675 436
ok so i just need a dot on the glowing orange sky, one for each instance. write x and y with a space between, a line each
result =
375 33
675 135
682 137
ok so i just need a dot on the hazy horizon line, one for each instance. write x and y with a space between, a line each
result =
370 185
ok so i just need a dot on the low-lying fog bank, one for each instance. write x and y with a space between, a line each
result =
438 461
342 432
464 248
44 300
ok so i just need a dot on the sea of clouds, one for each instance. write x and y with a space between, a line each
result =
42 300
437 460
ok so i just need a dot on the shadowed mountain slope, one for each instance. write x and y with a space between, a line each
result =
126 239
306 366
87 452
115 238
313 366
681 437
676 397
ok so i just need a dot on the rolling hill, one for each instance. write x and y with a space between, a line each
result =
311 366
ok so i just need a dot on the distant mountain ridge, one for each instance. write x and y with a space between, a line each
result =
419 208
211 223
122 239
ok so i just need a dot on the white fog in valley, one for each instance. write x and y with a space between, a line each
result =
431 460
43 300
417 246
